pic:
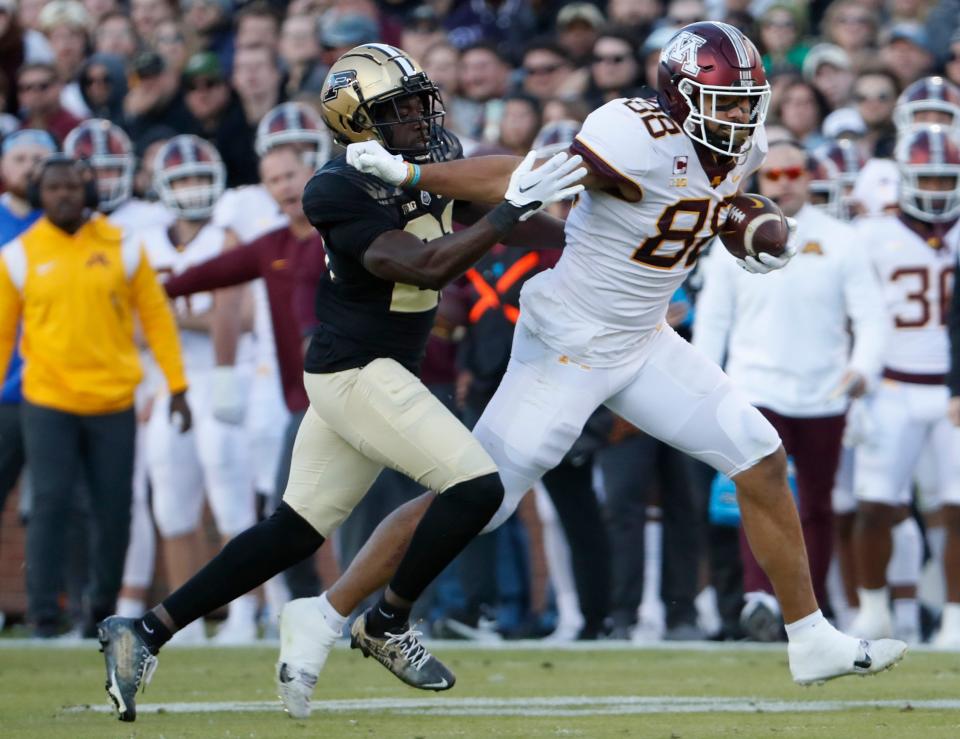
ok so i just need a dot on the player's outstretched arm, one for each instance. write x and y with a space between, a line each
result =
399 256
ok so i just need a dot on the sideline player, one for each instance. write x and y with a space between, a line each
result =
592 331
390 252
915 254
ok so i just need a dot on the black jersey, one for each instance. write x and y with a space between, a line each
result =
363 317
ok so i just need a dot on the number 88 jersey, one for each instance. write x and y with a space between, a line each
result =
624 260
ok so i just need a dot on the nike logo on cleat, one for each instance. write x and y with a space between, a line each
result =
285 676
863 664
440 685
147 628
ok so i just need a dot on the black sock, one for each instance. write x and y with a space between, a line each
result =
450 523
152 631
385 617
247 561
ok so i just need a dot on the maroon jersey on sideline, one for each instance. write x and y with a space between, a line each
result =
291 268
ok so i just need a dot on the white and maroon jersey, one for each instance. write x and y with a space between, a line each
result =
917 282
169 258
139 215
250 212
623 261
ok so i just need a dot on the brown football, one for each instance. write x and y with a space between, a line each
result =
754 224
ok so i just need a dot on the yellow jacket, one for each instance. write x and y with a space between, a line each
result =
77 295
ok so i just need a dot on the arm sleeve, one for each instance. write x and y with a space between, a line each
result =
713 319
953 379
10 306
158 324
233 267
864 302
347 212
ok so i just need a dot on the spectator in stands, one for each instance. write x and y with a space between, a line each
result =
81 368
21 152
343 32
875 94
39 92
520 123
219 116
508 24
66 26
421 31
257 24
256 79
114 34
147 15
569 109
442 63
300 54
484 80
828 68
851 25
155 98
578 25
548 72
210 21
781 38
801 110
103 85
170 43
614 69
906 52
13 52
639 16
682 12
97 9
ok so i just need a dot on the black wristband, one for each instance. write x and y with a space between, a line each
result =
507 215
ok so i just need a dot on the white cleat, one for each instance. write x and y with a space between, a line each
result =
948 641
872 625
305 642
839 655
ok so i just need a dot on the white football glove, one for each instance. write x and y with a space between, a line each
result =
371 158
227 401
763 263
552 181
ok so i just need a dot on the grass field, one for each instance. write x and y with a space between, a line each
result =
613 691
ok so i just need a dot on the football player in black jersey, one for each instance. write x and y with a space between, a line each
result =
390 249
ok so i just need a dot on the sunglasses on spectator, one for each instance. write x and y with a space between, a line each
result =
34 86
878 97
202 83
545 69
787 173
610 58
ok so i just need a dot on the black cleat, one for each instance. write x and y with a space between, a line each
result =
130 664
403 655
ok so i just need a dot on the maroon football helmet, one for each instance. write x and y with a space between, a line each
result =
109 153
702 68
295 123
189 176
927 152
837 166
926 96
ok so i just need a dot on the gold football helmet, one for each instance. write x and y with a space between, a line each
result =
369 77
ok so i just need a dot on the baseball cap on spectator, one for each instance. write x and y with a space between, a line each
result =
843 122
148 64
32 136
203 64
824 54
913 32
583 12
348 31
64 13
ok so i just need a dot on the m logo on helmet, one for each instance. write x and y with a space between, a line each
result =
339 80
684 49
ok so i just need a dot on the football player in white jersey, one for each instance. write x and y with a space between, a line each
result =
189 176
592 330
914 254
250 212
107 148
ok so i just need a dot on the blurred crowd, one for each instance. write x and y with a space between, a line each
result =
627 538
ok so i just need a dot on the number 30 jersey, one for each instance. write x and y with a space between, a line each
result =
623 261
917 280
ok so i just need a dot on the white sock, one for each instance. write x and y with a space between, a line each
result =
130 607
907 557
951 618
330 614
906 617
652 560
243 609
812 626
874 602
